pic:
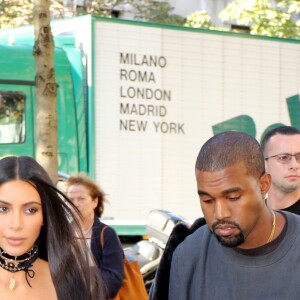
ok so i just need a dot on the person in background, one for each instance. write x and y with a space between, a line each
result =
89 199
40 256
245 250
281 148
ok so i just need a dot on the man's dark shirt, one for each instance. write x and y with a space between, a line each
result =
295 208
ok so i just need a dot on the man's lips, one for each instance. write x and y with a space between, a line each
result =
292 176
225 229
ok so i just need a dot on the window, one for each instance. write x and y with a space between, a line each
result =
12 117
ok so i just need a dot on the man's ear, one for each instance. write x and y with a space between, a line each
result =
265 183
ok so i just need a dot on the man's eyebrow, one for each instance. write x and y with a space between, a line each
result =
232 190
202 193
228 191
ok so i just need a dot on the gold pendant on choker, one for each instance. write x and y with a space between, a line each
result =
15 264
12 283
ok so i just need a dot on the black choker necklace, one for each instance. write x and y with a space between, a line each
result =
15 264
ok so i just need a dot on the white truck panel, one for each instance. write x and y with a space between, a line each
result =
208 78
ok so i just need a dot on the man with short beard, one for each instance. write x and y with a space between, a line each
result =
246 250
281 148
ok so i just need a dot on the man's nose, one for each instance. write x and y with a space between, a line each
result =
222 210
293 163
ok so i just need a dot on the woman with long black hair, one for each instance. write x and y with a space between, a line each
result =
41 256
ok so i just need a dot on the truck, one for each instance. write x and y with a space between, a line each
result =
137 100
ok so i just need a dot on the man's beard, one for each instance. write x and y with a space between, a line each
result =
232 240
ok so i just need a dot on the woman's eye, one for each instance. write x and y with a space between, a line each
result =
31 210
3 209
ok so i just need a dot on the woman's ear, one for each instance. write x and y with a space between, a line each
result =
96 200
265 183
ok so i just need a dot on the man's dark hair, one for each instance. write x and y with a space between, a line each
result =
228 148
284 130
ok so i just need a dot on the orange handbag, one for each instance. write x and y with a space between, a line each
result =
133 286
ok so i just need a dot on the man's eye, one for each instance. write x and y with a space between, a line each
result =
284 157
206 200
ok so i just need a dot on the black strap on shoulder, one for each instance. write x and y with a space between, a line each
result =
177 236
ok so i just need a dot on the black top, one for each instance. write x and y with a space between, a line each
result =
110 259
295 208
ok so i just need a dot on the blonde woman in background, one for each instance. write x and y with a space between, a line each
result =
89 199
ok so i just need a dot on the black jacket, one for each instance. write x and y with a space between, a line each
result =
160 287
110 259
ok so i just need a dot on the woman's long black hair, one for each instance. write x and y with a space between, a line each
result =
58 241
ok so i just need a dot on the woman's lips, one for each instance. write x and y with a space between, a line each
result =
15 241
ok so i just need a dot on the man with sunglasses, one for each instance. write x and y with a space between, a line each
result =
281 149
